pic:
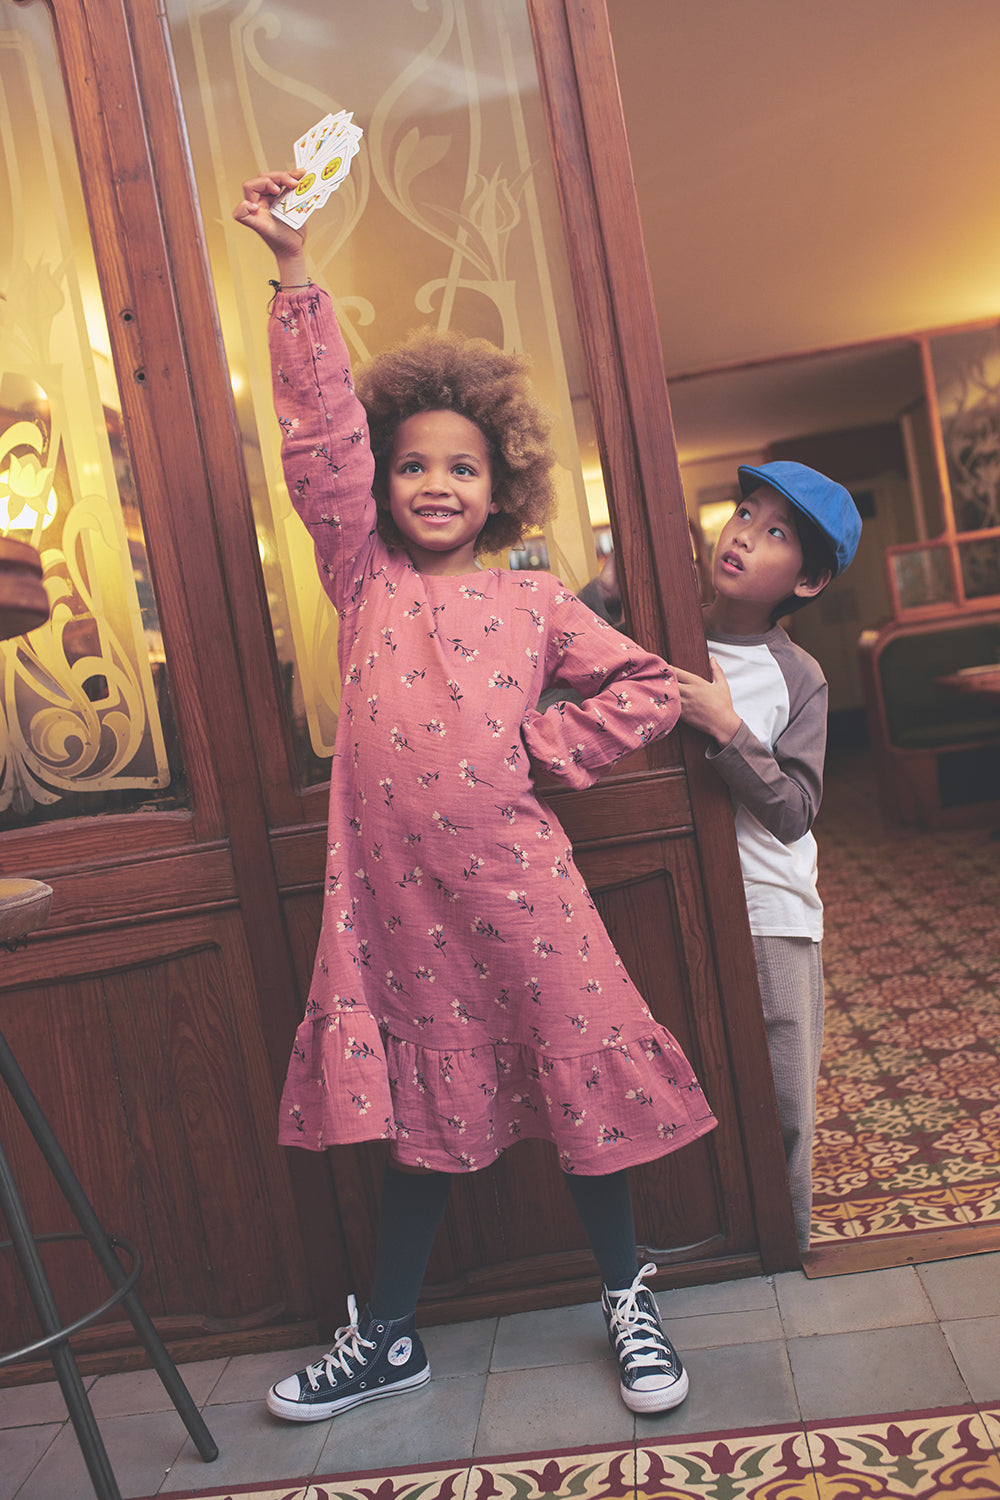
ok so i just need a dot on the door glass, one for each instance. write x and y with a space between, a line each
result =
448 218
85 720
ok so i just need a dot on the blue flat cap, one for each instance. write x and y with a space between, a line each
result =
823 500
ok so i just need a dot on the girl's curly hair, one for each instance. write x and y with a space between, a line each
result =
452 372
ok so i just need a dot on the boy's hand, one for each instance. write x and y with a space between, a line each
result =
708 706
259 193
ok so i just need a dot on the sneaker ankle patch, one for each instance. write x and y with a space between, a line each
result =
400 1351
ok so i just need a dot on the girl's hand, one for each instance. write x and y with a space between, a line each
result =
708 706
259 194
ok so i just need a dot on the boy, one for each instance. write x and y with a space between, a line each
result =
765 711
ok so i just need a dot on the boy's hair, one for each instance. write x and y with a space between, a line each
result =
818 557
452 372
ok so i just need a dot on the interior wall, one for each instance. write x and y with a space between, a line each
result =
811 174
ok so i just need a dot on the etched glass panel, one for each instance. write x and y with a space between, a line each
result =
85 718
449 218
967 377
923 576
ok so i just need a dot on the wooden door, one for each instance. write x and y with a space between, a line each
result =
150 1015
155 1013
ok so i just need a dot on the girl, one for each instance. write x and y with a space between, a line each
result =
465 993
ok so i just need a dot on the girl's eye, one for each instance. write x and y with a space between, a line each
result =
410 467
464 469
742 512
777 531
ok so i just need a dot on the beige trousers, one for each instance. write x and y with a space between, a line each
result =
790 975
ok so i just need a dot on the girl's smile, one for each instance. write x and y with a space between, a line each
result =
440 489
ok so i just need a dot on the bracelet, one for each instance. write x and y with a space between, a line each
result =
297 286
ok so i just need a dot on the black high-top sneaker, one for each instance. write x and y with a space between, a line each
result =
370 1359
652 1376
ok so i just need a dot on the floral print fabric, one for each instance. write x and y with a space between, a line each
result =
465 992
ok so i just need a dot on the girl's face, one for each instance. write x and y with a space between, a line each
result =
440 490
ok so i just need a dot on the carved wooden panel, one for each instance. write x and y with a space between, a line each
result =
153 1082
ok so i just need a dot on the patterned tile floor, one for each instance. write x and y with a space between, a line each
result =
924 1457
875 1384
908 1134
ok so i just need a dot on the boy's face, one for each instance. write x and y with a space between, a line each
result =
758 557
440 489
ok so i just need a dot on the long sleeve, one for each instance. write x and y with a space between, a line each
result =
783 787
774 763
324 449
629 696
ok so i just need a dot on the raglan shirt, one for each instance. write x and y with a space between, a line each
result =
773 767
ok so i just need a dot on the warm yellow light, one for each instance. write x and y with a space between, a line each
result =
16 515
597 498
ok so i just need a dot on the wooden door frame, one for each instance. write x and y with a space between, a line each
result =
617 318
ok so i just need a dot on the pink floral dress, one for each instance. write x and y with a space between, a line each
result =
465 992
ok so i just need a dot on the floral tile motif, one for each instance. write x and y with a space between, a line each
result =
926 1457
768 1464
602 1474
908 1117
447 1483
920 1457
938 1455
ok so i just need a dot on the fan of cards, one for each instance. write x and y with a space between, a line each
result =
326 152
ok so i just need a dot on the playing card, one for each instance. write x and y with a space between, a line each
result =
297 203
307 144
332 130
326 152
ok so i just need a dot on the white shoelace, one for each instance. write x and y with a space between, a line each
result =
347 1344
638 1336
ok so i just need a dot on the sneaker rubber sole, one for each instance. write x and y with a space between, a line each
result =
321 1411
653 1401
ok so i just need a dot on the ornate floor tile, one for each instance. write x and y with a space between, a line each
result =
937 1455
928 1457
449 1482
603 1474
767 1464
909 1096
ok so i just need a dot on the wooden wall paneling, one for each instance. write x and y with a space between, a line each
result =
64 1063
190 1083
152 1087
89 841
643 896
303 915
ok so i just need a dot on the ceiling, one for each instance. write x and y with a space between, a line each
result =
809 176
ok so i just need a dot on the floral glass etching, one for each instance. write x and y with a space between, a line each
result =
85 706
449 218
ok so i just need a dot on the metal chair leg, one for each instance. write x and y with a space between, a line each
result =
103 1250
70 1383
